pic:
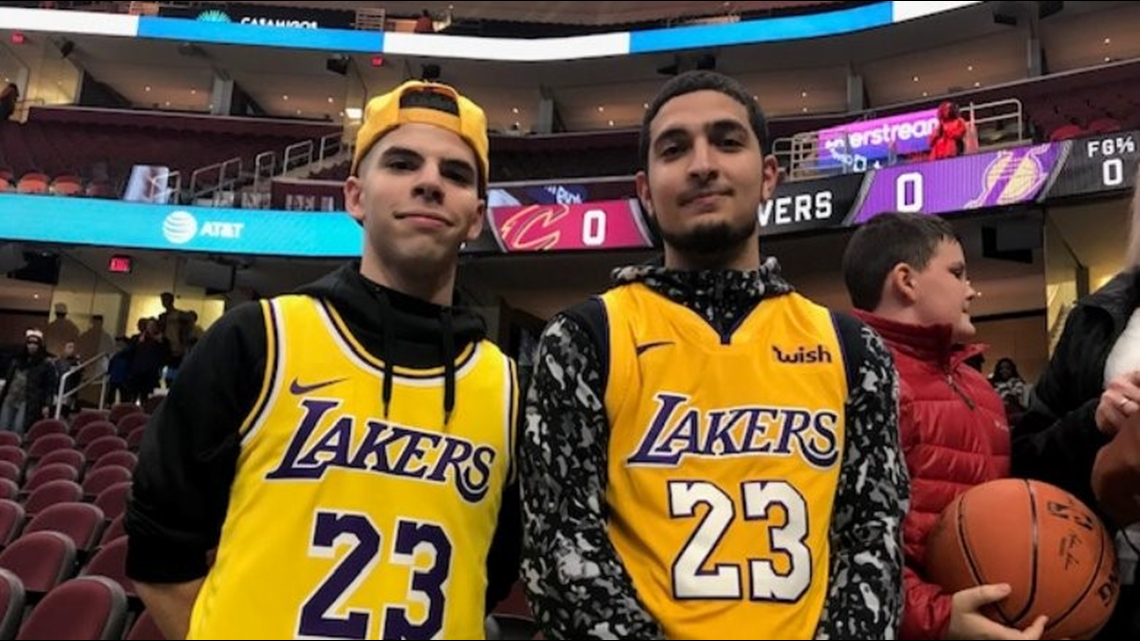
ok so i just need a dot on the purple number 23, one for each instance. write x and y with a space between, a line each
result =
318 614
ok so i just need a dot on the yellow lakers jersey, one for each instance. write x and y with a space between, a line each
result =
344 523
724 459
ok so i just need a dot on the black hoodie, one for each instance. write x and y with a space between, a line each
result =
188 457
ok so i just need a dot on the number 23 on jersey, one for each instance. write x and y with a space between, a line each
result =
421 548
778 511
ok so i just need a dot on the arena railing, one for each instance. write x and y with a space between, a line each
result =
999 123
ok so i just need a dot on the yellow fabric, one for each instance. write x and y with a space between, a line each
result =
724 459
383 113
342 523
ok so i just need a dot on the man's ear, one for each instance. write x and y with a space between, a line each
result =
641 180
770 173
353 194
902 283
476 226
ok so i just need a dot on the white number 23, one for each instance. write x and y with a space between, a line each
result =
692 580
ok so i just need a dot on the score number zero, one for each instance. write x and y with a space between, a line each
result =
909 190
1112 168
594 228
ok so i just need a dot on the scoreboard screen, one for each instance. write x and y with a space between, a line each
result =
602 214
1102 164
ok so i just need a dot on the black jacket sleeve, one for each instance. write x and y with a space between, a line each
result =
1057 440
865 597
574 579
503 558
189 452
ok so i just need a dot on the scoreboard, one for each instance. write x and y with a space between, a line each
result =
602 214
597 216
1101 164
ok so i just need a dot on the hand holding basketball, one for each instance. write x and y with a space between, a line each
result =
968 622
1051 551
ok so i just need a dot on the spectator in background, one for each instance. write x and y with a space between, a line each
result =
149 353
93 342
119 372
60 332
9 98
424 23
949 138
174 325
67 361
1012 389
28 386
194 331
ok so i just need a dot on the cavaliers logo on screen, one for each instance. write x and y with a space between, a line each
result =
533 228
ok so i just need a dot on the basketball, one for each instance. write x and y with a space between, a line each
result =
1047 545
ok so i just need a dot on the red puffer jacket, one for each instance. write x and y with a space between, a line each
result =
954 436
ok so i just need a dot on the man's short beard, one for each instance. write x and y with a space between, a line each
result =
713 238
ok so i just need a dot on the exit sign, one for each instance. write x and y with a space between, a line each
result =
120 264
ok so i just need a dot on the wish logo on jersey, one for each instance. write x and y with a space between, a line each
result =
678 431
324 440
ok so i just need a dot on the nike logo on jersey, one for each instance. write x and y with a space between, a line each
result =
641 349
297 389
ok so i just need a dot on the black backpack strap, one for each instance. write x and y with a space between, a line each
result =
592 318
850 331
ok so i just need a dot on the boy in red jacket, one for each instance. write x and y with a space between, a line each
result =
906 275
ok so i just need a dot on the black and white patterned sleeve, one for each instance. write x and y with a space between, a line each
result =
574 580
866 582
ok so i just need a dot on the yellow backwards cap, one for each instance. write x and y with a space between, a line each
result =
430 103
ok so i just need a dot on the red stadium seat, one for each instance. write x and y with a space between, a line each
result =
44 474
11 522
113 500
61 491
111 561
81 522
89 607
42 560
94 430
104 477
43 427
11 604
73 458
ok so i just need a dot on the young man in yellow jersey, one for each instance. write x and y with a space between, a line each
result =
707 453
348 449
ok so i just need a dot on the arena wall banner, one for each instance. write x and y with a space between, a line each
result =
113 223
291 31
264 15
866 144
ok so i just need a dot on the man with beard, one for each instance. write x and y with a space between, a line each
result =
707 453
